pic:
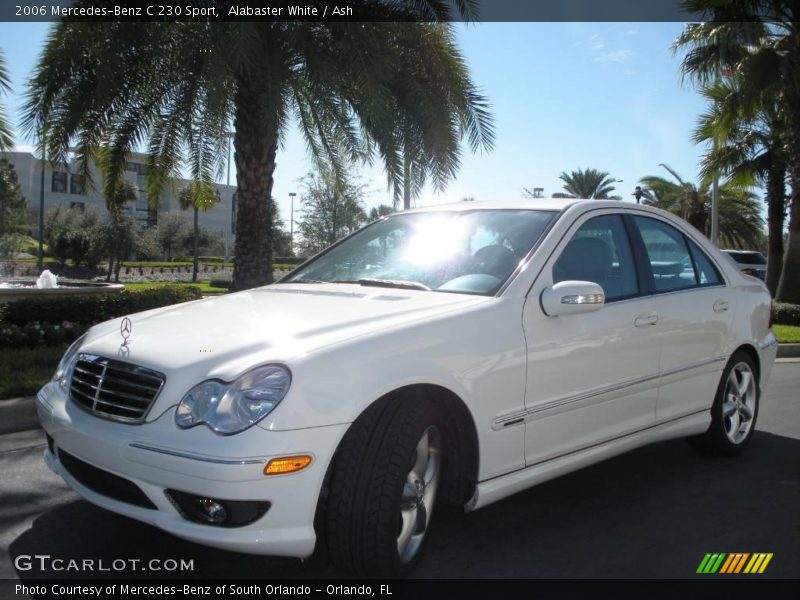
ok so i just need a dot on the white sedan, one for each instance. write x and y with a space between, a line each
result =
454 355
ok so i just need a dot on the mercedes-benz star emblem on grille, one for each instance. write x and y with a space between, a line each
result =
125 329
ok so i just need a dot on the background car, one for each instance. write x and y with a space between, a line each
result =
750 262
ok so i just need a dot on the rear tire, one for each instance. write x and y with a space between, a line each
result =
383 488
735 409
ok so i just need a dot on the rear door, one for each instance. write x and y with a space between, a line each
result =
695 309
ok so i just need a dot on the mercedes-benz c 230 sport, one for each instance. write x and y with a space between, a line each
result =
449 355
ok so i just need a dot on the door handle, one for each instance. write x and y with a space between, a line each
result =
646 319
720 306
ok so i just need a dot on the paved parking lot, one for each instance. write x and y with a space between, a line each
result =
652 513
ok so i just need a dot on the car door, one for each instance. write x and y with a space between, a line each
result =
695 309
591 376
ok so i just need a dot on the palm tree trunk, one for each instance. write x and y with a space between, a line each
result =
255 146
776 216
194 246
789 286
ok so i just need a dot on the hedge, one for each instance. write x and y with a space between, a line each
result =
786 314
92 309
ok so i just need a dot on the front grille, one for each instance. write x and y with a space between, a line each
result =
104 483
113 389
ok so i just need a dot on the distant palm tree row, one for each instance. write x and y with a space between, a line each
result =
589 184
740 222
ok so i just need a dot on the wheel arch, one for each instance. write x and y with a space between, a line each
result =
751 351
460 438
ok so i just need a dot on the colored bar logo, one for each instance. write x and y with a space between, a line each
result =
734 563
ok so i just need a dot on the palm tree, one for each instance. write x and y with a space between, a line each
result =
587 184
116 198
5 87
758 42
749 150
739 216
198 196
352 90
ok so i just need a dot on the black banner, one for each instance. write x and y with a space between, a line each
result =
218 11
708 589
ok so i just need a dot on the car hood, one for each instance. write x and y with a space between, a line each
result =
221 337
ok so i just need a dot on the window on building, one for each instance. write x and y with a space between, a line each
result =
59 184
76 185
134 166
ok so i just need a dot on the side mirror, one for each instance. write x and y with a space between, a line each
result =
570 297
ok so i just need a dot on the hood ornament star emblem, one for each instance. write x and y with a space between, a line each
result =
125 330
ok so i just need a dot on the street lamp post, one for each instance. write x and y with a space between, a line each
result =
291 220
40 258
637 193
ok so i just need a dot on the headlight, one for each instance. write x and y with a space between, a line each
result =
65 366
232 407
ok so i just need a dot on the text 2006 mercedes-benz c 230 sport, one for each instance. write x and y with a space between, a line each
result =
453 355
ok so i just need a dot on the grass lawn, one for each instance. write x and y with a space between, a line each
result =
787 334
205 286
24 370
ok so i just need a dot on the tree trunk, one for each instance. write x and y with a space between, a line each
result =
789 286
110 267
776 216
255 146
194 246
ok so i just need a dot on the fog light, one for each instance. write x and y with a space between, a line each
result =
217 512
212 511
287 464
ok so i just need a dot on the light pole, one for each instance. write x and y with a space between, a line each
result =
637 193
291 220
40 259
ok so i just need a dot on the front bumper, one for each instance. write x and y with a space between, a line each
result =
157 456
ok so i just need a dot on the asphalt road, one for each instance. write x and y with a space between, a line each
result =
652 513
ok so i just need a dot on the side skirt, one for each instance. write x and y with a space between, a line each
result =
495 489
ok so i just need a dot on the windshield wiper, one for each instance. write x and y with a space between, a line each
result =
395 283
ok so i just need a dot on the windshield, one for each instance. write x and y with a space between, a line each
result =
471 252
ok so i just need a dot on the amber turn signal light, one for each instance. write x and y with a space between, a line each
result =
287 464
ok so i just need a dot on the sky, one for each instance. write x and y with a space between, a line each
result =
564 96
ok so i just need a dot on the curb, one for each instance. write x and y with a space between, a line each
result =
788 350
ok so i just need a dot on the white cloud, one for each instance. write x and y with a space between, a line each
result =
632 32
621 55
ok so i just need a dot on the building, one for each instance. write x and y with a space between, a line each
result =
63 187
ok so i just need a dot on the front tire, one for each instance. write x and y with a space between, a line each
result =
383 488
735 409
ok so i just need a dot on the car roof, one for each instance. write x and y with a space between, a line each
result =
519 204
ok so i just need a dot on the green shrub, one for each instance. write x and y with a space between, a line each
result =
786 314
40 321
220 283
